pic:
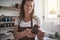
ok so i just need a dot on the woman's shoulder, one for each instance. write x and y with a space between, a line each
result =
36 18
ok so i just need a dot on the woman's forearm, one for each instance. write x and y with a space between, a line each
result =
40 35
19 35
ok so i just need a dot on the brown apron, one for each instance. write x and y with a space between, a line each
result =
20 29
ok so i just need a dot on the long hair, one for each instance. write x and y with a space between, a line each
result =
22 13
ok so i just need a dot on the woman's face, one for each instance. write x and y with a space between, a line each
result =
28 7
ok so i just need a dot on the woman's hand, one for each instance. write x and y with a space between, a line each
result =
28 33
40 35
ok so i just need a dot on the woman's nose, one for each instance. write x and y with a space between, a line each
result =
29 7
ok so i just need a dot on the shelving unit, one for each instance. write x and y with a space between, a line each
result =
6 26
10 8
7 22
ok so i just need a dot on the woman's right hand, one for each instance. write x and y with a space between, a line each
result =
28 33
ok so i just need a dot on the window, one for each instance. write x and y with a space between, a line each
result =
51 8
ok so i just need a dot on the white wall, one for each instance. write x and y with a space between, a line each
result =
39 9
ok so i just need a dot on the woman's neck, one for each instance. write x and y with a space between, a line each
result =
27 18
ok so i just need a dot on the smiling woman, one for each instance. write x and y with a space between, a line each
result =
26 22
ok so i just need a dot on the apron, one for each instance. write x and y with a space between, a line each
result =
20 29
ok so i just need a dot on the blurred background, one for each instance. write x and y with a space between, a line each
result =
47 10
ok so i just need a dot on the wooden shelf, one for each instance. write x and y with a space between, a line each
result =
7 22
8 8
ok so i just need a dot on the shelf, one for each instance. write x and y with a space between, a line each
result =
7 22
5 28
8 8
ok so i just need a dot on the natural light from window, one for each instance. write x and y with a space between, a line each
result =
52 8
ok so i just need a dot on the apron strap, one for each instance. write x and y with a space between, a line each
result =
31 21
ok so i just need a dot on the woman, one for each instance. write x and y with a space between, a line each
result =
25 22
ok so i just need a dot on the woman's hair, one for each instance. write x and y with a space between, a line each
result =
22 13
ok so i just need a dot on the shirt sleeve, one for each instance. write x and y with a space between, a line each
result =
16 21
37 20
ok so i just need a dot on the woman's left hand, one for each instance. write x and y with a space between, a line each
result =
40 35
29 34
